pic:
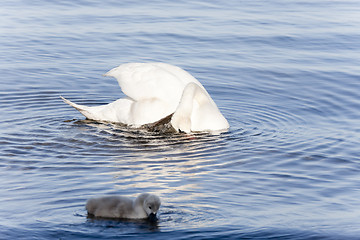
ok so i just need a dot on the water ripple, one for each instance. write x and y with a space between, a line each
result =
289 88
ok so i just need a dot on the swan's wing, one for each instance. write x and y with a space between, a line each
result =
181 74
206 116
160 81
197 112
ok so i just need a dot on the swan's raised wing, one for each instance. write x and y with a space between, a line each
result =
160 81
197 112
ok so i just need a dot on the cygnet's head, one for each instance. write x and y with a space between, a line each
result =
151 206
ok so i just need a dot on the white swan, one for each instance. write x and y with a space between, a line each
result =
155 91
145 206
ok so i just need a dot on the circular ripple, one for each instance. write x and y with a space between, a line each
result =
267 149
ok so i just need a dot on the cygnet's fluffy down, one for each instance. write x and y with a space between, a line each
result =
145 206
155 91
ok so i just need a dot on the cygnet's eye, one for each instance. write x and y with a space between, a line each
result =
150 207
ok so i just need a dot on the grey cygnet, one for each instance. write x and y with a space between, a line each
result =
145 206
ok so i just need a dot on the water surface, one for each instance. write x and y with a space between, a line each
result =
285 74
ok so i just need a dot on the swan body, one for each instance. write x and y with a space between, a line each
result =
144 206
153 92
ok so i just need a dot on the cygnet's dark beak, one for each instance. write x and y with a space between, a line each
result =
152 217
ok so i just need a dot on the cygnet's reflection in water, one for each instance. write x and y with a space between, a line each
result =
141 224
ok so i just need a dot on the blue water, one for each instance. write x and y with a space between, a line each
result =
286 75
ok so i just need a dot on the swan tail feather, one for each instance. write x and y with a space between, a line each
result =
84 110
